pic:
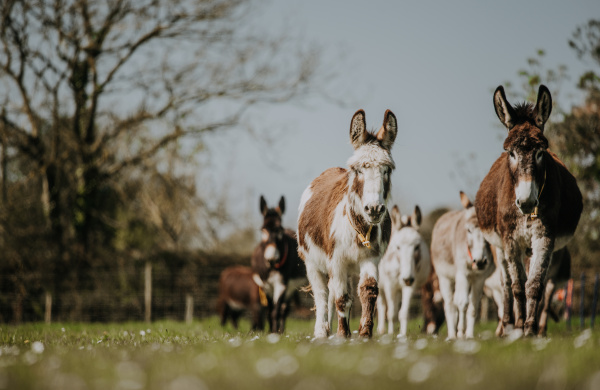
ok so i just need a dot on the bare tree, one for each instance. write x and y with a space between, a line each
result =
96 93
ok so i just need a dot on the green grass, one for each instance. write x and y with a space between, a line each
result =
173 355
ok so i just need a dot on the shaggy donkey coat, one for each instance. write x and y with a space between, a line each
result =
344 227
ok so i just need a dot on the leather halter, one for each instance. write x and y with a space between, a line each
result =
281 261
363 239
534 214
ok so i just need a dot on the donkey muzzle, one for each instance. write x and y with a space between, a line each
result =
375 212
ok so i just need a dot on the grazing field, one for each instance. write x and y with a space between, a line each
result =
202 355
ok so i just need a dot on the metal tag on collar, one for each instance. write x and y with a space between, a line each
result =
534 215
367 244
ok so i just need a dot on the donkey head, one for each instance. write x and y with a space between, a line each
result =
526 145
272 232
409 248
371 166
478 249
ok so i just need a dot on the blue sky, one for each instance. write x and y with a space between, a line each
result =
435 64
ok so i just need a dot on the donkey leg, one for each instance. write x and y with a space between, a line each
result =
474 303
368 291
381 311
540 260
547 301
447 290
461 300
407 293
338 287
318 283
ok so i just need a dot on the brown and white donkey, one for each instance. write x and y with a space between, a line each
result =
528 202
344 227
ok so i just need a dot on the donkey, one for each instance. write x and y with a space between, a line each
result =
403 269
558 274
462 259
344 227
238 292
276 265
528 201
433 304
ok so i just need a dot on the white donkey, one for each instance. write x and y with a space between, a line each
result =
463 260
403 269
344 227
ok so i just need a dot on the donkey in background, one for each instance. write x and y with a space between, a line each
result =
462 260
403 269
344 227
277 267
239 292
528 201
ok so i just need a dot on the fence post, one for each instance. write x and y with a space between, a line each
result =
581 303
569 302
189 308
48 311
594 302
148 291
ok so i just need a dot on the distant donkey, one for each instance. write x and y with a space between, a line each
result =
433 304
344 227
277 267
239 292
403 270
528 201
462 260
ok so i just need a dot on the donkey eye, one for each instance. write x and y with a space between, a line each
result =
539 155
512 154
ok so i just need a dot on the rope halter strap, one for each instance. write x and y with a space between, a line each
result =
364 239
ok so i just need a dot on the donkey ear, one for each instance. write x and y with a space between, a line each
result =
464 199
503 108
281 206
358 129
543 107
263 205
396 218
387 134
415 219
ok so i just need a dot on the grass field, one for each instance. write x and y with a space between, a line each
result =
173 355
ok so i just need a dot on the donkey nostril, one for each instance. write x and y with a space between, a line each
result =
518 201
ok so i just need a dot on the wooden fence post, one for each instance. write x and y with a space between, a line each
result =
594 302
582 303
148 291
48 311
189 308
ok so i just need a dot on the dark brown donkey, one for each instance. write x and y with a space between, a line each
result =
528 202
276 265
239 292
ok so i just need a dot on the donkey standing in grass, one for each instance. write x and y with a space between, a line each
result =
403 270
239 292
557 276
463 261
344 227
528 201
276 265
